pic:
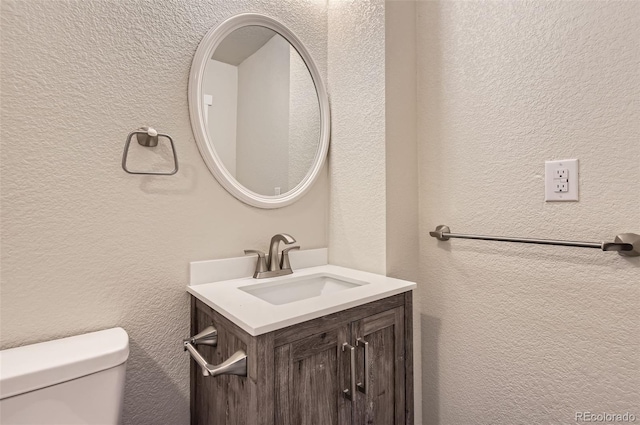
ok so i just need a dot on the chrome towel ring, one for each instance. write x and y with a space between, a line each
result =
148 137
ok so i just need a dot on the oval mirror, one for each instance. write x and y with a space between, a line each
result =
259 110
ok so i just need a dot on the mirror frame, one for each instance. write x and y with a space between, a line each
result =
204 52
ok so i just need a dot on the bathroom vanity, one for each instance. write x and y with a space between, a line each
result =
325 345
350 367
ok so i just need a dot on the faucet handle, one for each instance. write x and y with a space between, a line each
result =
284 260
261 265
254 251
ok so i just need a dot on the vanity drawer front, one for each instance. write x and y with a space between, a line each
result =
332 321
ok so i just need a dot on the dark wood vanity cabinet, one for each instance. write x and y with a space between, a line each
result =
298 375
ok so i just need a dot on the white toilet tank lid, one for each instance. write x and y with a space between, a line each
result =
36 366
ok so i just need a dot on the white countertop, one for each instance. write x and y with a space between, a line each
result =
257 316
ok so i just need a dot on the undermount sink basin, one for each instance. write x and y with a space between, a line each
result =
288 290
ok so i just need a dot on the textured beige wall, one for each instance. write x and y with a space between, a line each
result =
518 334
356 82
402 241
86 246
401 168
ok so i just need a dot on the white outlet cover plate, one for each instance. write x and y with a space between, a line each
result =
550 167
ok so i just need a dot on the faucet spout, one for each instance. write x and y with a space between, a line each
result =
273 249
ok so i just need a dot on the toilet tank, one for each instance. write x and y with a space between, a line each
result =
75 380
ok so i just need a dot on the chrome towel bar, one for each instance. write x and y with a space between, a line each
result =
626 244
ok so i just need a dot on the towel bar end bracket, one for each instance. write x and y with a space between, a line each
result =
633 240
439 233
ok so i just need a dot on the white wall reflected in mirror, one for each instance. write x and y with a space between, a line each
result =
261 110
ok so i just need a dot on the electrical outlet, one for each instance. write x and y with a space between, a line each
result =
561 180
561 173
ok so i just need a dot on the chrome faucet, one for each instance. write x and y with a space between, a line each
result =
273 249
275 267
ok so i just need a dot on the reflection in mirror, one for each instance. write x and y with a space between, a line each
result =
261 110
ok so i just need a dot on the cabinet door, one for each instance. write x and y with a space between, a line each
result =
384 400
310 375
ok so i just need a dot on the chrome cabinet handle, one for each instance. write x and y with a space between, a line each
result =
360 342
349 392
234 365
